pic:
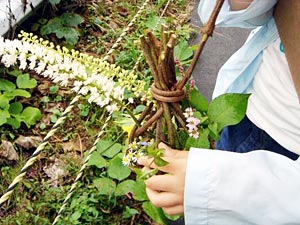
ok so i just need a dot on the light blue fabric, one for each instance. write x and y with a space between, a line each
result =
237 74
226 188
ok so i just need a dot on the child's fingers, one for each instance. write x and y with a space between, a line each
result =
164 182
174 210
162 199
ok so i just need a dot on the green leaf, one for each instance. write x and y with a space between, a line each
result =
70 34
155 213
117 170
14 122
54 2
105 186
201 142
124 187
214 133
97 160
139 191
228 109
4 115
52 26
129 212
103 145
35 27
154 21
31 115
198 101
113 150
24 81
17 92
15 73
6 85
160 3
76 215
15 108
159 161
182 51
71 19
53 89
4 102
139 109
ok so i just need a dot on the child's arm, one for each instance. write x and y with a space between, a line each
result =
239 4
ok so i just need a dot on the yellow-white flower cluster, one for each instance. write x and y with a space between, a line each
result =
134 152
87 74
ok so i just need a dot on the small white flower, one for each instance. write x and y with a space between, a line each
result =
192 122
194 134
130 100
189 112
9 59
126 161
112 108
23 61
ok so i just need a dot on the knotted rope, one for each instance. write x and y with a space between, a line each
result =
166 89
60 120
38 150
80 173
167 96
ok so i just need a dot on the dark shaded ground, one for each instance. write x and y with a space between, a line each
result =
218 49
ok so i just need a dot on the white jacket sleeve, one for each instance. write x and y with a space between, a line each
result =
227 188
257 14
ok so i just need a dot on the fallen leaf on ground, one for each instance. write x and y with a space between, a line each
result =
28 142
8 152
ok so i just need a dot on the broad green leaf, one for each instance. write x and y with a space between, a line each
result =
17 92
69 33
4 115
15 108
103 145
124 187
198 101
52 26
214 133
71 19
139 191
105 186
14 122
97 160
24 81
155 213
6 85
113 150
228 109
201 142
153 21
117 170
4 102
182 51
15 73
31 115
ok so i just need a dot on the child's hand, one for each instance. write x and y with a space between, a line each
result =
167 190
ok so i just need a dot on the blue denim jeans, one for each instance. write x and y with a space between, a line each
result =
246 137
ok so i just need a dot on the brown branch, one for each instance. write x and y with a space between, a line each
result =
206 31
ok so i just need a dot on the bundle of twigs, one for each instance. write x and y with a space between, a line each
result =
166 90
